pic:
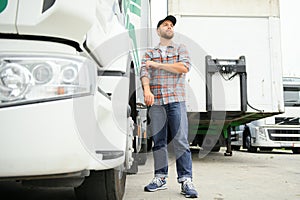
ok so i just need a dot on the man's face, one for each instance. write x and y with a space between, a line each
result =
166 30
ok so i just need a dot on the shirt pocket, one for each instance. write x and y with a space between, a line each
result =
156 57
172 58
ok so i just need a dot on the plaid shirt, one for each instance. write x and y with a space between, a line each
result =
167 87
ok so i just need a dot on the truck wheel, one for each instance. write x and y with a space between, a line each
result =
236 147
265 148
142 155
149 144
248 145
296 150
102 185
216 149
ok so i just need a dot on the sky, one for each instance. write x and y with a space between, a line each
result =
290 35
290 31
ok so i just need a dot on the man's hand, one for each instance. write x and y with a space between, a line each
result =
148 98
152 64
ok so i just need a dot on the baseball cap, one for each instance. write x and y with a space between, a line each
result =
170 18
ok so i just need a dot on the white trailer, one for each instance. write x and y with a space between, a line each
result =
279 131
235 49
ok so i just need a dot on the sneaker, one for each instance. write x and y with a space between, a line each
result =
156 184
188 189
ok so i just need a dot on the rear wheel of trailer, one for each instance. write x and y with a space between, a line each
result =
103 185
296 150
265 148
247 142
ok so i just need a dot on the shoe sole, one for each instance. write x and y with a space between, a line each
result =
189 196
153 190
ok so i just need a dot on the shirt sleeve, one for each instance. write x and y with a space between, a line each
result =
184 56
144 72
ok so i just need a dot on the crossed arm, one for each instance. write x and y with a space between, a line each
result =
177 67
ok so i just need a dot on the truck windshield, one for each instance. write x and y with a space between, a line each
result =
291 96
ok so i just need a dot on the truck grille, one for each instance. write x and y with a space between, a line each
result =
287 120
284 135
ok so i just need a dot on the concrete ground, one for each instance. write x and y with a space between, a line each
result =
264 175
244 176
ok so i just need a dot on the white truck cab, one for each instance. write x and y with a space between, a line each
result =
279 131
64 114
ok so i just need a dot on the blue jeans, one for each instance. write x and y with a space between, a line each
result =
171 119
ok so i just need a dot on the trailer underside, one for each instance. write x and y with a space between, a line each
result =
211 130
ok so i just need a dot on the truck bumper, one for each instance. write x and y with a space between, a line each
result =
287 137
49 138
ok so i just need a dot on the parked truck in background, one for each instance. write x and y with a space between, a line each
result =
279 131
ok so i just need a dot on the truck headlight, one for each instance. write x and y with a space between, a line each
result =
15 81
42 73
31 78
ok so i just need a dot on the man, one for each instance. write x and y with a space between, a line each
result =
163 79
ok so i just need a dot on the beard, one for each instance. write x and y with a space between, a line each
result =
167 36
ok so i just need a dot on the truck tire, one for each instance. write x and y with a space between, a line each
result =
248 146
265 148
142 157
296 150
236 147
102 185
216 149
149 144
